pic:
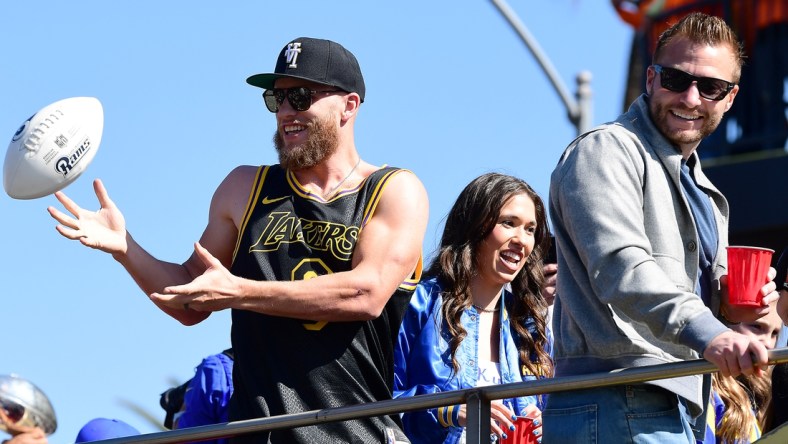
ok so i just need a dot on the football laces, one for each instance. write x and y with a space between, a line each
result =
34 141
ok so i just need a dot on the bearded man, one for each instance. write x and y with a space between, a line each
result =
641 238
316 256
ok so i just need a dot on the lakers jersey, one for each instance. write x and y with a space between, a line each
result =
285 365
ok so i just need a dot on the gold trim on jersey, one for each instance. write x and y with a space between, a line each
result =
254 194
410 283
374 198
303 192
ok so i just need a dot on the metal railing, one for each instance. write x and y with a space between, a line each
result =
477 400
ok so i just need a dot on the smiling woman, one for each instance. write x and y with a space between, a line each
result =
478 318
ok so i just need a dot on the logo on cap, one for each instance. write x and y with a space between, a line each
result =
291 54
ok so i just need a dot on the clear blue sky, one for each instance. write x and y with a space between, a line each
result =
452 93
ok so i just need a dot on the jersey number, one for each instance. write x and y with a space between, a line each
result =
308 269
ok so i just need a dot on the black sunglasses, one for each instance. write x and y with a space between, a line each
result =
677 80
300 97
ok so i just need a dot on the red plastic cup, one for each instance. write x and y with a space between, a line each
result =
748 271
523 432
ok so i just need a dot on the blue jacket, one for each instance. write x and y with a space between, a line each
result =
207 398
422 363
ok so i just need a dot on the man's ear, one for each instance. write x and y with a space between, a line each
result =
352 103
650 76
729 98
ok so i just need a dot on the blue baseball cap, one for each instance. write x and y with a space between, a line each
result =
103 428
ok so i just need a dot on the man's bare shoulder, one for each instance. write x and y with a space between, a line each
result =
232 194
238 181
242 174
405 183
404 198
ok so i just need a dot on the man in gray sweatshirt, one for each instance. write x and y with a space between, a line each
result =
641 238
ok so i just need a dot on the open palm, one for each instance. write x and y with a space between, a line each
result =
104 229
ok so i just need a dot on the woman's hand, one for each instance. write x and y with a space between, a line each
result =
534 414
501 418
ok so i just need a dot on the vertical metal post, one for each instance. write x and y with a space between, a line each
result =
585 102
477 418
579 112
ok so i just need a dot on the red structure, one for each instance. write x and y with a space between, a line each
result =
747 157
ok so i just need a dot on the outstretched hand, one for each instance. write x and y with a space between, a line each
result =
103 230
210 291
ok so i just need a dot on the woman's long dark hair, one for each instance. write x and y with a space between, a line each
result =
470 221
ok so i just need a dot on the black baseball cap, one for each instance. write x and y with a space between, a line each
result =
317 60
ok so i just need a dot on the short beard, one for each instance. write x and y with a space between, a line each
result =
322 141
660 116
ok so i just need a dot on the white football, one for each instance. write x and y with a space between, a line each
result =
53 147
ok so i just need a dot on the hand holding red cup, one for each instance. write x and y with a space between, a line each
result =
748 272
523 432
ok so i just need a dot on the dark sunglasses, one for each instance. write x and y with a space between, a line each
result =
678 81
300 97
13 411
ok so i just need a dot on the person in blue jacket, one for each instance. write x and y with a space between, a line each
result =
207 397
478 317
